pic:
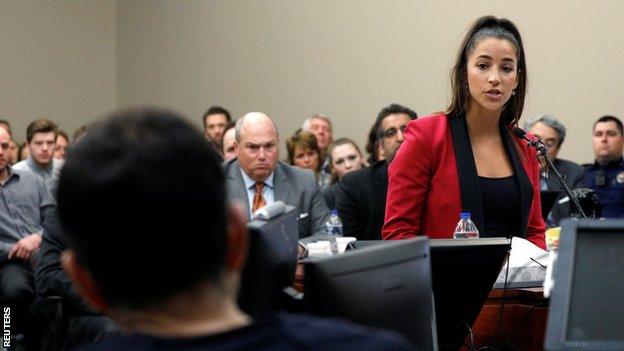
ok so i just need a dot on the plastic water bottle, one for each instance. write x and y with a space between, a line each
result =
333 228
465 228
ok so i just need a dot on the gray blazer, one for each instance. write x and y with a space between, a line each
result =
293 186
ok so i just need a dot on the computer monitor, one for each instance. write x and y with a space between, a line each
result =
464 271
587 306
271 262
387 286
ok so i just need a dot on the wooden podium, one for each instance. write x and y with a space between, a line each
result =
523 323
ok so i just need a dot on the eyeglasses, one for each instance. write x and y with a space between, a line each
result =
392 131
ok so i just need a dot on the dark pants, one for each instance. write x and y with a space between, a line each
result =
17 291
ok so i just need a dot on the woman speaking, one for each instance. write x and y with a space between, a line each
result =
467 159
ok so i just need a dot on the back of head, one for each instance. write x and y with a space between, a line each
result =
145 228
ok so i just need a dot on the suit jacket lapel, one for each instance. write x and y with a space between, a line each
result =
469 187
524 184
283 190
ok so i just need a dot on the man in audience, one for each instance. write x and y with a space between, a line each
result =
188 300
7 125
25 202
606 174
361 195
215 121
256 178
552 134
229 144
41 139
321 126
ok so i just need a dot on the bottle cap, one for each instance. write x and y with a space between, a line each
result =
334 212
464 215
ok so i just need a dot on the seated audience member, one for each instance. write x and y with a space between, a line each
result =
374 149
84 325
321 126
62 140
7 125
552 134
188 300
26 202
256 177
361 195
23 152
344 157
606 175
304 152
229 144
41 138
13 152
13 147
216 120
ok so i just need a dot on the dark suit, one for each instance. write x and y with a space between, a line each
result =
572 173
361 201
294 186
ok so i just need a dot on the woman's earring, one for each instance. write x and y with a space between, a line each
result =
513 92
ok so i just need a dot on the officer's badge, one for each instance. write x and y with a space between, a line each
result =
620 178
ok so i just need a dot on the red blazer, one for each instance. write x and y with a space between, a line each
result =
425 196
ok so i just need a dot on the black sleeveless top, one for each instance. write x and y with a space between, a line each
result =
501 206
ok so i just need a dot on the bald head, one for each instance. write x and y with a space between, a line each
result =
256 145
256 120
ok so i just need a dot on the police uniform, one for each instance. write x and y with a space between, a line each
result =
608 183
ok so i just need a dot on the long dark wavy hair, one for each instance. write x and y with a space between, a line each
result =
484 28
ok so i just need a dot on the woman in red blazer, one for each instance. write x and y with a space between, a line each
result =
467 159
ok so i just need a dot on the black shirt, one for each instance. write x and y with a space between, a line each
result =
279 332
501 206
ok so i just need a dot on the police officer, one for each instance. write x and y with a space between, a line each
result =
606 175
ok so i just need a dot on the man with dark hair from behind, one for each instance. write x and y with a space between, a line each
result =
361 195
155 246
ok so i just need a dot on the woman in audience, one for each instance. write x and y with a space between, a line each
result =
24 151
344 157
62 140
304 152
467 159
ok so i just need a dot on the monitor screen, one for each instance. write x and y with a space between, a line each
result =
385 285
270 263
464 272
586 308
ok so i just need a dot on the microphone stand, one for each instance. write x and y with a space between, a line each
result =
541 152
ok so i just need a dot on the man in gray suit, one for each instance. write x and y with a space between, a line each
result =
552 133
256 177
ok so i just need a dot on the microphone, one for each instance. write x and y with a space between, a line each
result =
541 152
535 143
